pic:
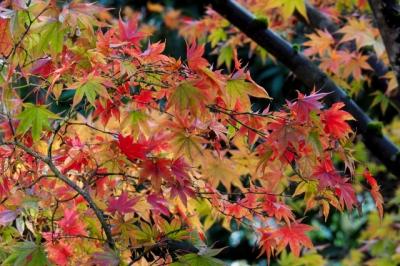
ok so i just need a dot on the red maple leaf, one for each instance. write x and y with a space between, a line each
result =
71 224
105 112
180 168
158 203
293 235
266 242
132 150
376 195
128 31
305 104
335 121
59 252
276 209
143 98
122 204
157 143
326 174
43 67
346 194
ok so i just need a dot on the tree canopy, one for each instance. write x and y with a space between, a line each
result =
114 152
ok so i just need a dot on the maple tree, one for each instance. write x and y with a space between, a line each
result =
115 153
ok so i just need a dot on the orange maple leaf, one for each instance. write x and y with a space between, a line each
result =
5 37
319 44
293 235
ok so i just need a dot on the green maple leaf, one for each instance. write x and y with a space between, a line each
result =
51 37
35 117
240 89
187 97
90 88
27 254
205 257
225 56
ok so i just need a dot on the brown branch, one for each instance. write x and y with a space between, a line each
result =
98 212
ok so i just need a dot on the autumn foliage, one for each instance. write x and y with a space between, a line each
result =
152 148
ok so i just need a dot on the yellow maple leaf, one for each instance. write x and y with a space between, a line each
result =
288 7
360 30
223 170
319 44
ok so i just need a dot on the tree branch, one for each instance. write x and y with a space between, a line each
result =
387 17
98 212
387 152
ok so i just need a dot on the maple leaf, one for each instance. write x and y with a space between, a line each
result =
84 15
132 150
156 169
4 187
5 37
353 63
194 56
143 98
234 210
158 203
319 44
187 97
184 139
59 253
294 236
240 90
153 53
183 189
360 30
180 169
289 6
333 62
90 87
36 118
305 104
376 195
105 112
76 156
278 210
128 31
346 194
27 253
335 121
326 174
42 67
220 170
266 242
51 36
122 204
71 224
171 18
